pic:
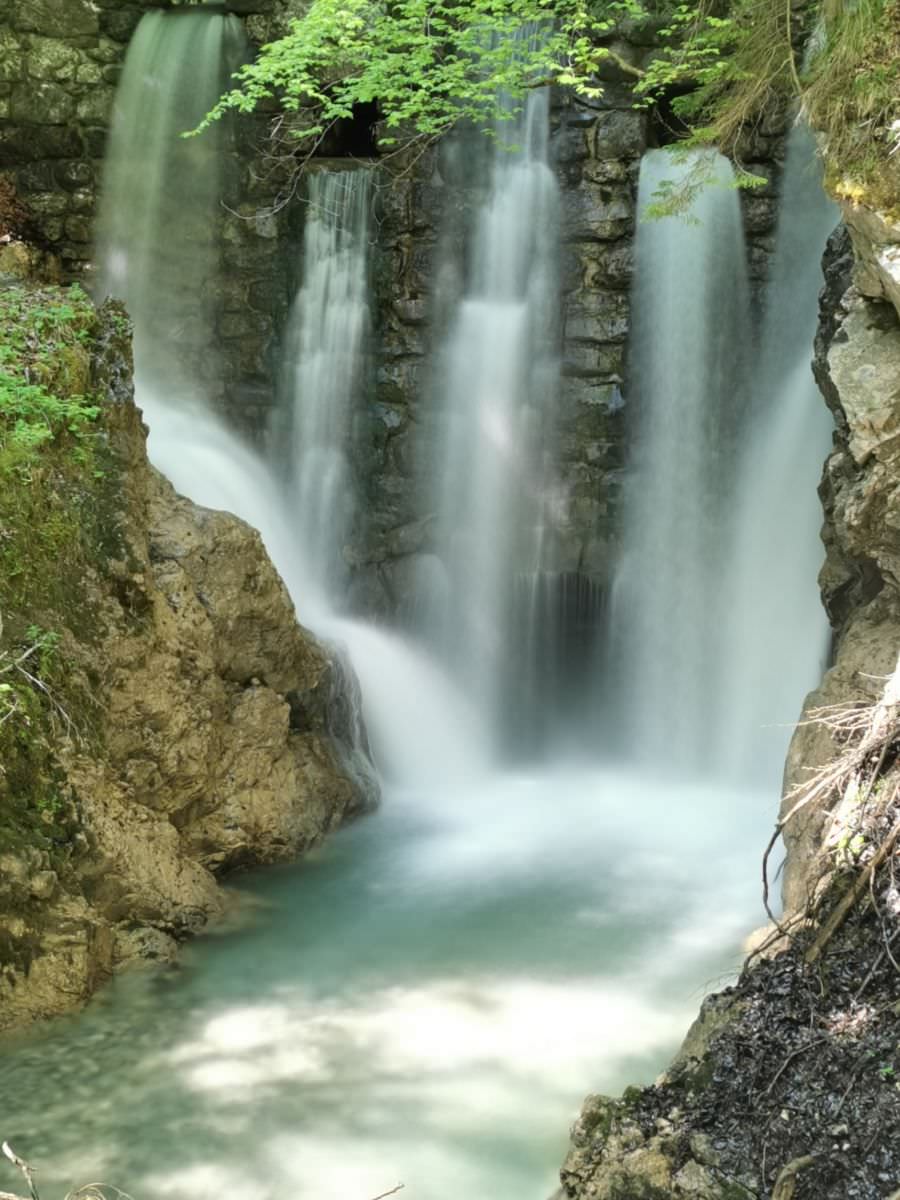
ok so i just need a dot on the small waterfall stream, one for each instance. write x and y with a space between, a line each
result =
717 627
427 997
689 339
493 447
779 633
157 227
325 372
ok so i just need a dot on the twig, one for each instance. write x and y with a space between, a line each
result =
790 1058
23 1166
392 1192
784 1184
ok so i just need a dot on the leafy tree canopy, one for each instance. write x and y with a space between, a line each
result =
428 64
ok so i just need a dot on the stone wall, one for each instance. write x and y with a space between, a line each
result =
425 209
60 62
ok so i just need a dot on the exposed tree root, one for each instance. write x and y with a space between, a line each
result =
859 787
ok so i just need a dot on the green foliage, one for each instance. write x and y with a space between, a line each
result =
55 528
743 65
40 342
852 93
428 64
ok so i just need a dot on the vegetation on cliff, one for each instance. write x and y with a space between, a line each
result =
54 530
722 67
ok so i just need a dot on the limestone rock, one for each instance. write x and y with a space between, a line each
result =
221 732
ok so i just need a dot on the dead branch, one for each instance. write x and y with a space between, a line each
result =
392 1192
786 1183
8 1152
868 732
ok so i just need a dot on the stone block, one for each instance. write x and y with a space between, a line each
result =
74 173
619 135
42 104
52 61
91 74
605 171
94 144
605 265
78 229
51 228
106 51
47 204
570 143
591 360
83 200
597 316
760 212
594 212
96 106
57 18
119 26
12 56
36 177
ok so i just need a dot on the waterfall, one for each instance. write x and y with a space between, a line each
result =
717 626
325 373
779 631
158 236
691 325
492 440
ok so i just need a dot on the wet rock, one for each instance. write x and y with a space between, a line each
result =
199 763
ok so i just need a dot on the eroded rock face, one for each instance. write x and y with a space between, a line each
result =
212 743
857 365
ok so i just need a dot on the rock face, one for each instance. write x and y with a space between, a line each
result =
210 736
857 365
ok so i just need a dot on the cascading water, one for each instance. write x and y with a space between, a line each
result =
493 438
325 374
717 624
691 325
157 230
779 633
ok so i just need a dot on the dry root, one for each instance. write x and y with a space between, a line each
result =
860 788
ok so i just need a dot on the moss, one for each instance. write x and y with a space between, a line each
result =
59 526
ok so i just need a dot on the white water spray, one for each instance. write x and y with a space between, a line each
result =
325 372
720 629
691 323
779 633
157 231
494 442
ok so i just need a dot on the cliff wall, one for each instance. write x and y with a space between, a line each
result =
163 717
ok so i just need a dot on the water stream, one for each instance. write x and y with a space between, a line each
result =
493 437
427 998
717 624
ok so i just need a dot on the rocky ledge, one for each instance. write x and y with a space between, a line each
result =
170 720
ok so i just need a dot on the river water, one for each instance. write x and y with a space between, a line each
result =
424 1000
